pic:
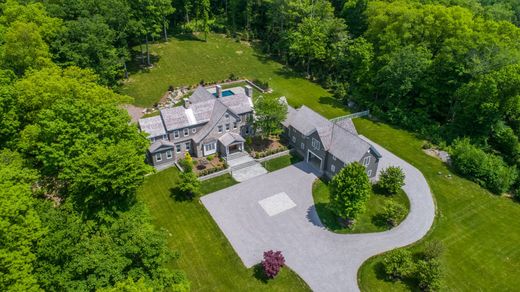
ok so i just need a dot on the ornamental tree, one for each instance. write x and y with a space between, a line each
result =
190 184
349 191
272 263
391 179
269 114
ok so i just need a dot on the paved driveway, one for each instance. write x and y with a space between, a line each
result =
325 260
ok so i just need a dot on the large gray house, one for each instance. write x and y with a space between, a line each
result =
328 145
211 120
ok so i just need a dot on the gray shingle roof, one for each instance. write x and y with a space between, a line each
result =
160 144
201 94
216 114
229 138
348 125
153 126
239 103
337 140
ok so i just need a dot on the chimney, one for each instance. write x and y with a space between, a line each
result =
249 91
186 103
219 90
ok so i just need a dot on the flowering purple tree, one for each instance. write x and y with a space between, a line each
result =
272 263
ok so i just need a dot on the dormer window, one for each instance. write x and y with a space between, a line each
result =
176 134
186 132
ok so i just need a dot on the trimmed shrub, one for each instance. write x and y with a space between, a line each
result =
391 180
429 274
393 213
398 264
488 170
272 263
189 185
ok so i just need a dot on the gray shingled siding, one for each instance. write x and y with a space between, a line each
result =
372 166
153 158
338 165
295 139
183 138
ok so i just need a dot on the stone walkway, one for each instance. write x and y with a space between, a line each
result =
244 167
276 211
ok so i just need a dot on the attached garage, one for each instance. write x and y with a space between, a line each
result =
314 160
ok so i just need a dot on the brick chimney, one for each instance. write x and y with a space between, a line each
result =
219 90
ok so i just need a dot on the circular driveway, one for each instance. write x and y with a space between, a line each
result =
276 211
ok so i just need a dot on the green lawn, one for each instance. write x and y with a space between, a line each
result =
368 221
480 231
186 61
206 256
281 162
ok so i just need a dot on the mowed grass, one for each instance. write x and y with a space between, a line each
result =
368 221
186 61
480 231
281 162
206 256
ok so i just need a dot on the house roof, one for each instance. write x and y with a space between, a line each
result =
153 126
219 109
341 140
348 125
160 145
201 94
230 138
239 103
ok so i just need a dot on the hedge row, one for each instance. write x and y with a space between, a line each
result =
269 152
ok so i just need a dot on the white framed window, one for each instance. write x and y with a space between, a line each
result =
227 116
188 146
186 132
220 129
194 130
369 172
302 145
158 157
178 148
333 157
176 134
209 147
366 161
332 168
234 125
294 139
316 144
169 154
227 127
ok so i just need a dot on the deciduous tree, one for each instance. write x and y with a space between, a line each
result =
349 191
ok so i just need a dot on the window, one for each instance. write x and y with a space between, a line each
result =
333 168
247 130
333 157
315 143
165 137
294 139
176 134
369 172
234 125
302 145
194 130
227 116
178 148
158 157
220 129
227 127
209 147
188 146
186 132
169 154
366 161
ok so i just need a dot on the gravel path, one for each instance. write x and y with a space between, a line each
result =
325 260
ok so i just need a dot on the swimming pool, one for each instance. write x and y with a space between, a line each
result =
225 93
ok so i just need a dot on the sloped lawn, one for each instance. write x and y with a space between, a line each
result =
205 254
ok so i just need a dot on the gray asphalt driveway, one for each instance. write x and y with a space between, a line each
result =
325 260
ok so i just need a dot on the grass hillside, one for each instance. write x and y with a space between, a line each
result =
480 231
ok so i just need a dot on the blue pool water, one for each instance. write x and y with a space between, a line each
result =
225 93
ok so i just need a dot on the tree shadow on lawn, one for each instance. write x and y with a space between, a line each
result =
180 196
332 101
137 61
259 274
188 37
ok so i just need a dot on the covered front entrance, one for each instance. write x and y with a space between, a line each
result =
231 143
314 160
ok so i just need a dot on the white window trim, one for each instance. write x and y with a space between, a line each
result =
176 134
186 132
158 157
302 145
228 127
178 148
316 144
194 130
235 124
169 154
369 172
187 146
220 128
366 161
294 139
333 157
332 168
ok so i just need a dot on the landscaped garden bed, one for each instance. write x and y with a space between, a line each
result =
209 164
260 147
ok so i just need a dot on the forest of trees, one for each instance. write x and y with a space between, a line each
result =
70 162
